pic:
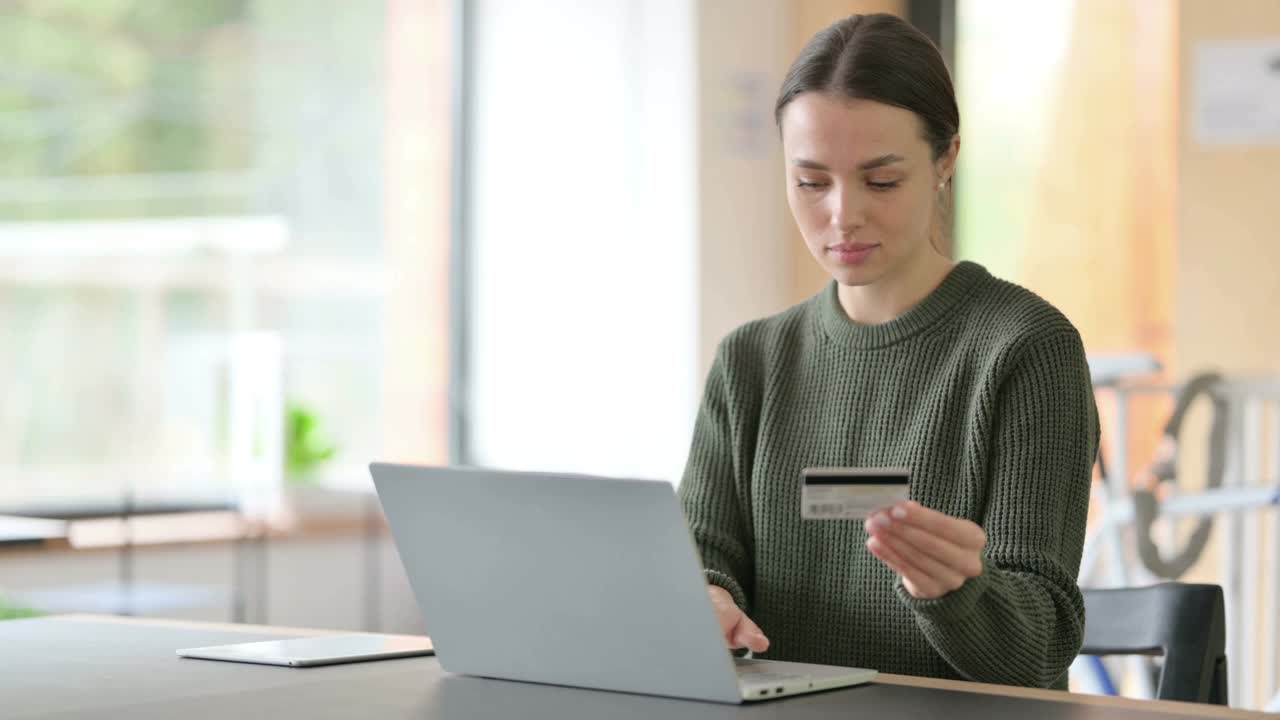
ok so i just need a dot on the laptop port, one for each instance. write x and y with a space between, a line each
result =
779 689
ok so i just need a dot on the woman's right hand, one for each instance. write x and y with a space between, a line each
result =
737 628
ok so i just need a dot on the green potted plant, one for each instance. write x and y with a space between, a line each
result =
306 447
9 611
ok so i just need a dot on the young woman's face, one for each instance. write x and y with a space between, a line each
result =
861 183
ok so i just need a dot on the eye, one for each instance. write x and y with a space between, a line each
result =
884 186
810 185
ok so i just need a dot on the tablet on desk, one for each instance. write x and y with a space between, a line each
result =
320 650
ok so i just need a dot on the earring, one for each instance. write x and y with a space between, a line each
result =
942 184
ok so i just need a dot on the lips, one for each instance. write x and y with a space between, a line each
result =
852 253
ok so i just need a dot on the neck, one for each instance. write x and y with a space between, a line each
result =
897 292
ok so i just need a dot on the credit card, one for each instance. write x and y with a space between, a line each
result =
850 493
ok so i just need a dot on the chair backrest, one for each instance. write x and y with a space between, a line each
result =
1183 622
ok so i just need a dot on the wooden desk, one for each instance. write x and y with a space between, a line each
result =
89 666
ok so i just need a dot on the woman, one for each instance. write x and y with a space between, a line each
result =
905 360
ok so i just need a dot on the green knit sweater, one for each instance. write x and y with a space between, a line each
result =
982 390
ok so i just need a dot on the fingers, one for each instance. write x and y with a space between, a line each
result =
957 531
748 635
933 553
917 582
726 609
915 579
922 570
739 631
966 562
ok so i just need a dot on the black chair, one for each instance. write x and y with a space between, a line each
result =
1185 623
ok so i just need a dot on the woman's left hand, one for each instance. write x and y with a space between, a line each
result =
934 553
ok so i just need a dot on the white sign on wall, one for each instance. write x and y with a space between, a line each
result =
1237 93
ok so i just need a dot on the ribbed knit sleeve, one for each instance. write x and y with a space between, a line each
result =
715 503
1022 621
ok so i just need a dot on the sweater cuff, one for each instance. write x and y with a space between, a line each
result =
955 605
719 579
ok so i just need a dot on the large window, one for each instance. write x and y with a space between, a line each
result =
203 206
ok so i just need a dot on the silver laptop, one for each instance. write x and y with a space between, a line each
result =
571 580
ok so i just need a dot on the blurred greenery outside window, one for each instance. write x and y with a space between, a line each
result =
119 110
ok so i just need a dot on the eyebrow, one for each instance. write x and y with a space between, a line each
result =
872 164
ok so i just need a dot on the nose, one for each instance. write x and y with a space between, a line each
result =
848 210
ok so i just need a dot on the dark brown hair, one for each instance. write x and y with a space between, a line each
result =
882 58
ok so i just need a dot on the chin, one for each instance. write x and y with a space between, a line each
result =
855 276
